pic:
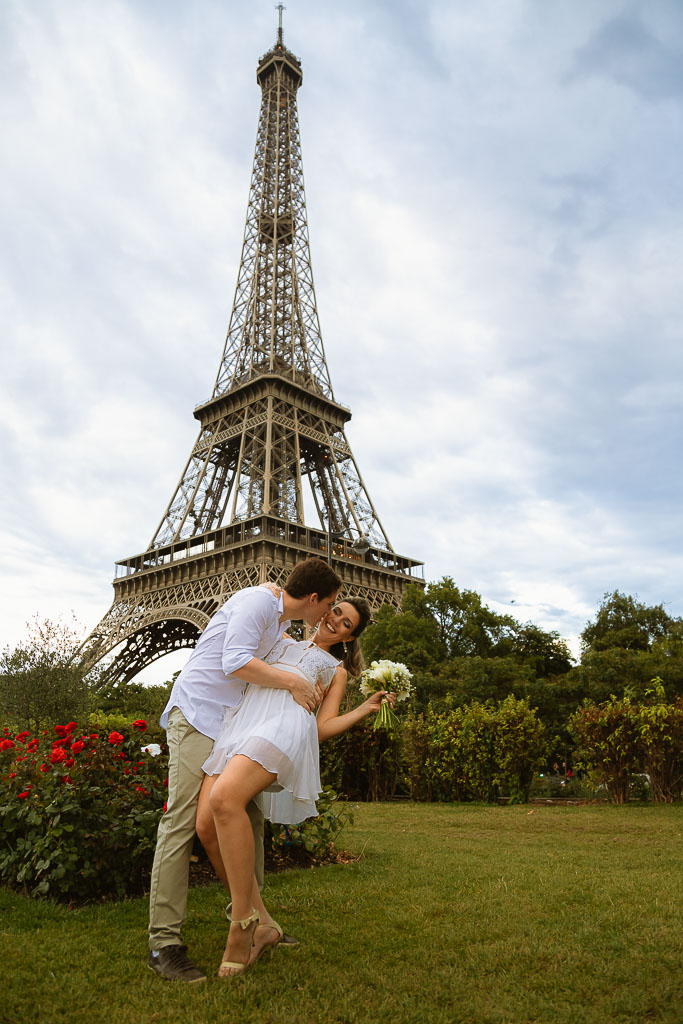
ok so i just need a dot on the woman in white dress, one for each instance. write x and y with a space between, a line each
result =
267 750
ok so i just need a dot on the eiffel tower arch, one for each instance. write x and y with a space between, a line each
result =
271 434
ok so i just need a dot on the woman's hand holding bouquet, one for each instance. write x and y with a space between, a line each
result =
386 683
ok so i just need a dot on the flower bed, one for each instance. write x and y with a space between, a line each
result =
79 811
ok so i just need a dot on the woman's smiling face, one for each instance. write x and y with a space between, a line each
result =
339 624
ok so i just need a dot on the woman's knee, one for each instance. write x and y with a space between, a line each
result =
206 828
223 802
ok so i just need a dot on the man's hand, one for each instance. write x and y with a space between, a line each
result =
319 694
302 692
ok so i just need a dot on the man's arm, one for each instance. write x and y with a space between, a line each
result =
261 674
244 632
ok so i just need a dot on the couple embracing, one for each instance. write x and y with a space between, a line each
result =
243 745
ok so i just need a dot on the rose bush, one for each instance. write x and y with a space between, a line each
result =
79 811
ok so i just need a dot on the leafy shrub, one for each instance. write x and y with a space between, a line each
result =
132 700
79 811
560 787
443 756
41 680
363 763
607 734
485 751
660 744
101 722
415 751
312 841
620 739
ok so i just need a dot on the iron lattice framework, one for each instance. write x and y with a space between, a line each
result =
271 434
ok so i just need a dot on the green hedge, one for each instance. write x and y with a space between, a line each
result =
479 751
621 740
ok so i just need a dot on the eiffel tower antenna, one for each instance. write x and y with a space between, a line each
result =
280 8
271 451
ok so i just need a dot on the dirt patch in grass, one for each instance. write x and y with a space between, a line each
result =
202 873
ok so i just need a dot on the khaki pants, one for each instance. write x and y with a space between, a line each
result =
187 751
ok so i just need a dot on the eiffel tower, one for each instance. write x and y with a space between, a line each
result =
271 433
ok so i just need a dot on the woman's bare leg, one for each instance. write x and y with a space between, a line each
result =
267 934
239 782
206 829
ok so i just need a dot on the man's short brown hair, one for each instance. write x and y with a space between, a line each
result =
312 577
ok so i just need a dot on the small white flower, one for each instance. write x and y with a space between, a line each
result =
153 749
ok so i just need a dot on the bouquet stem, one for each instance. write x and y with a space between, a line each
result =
385 717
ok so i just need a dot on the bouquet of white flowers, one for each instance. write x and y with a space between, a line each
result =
391 676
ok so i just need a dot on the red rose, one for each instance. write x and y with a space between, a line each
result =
6 730
57 755
115 738
141 789
6 744
77 747
21 736
67 778
12 775
70 726
94 736
69 762
45 767
33 745
22 796
60 743
61 730
140 723
166 782
165 806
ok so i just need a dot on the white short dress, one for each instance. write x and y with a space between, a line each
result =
276 732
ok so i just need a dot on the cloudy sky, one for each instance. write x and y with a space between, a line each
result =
495 206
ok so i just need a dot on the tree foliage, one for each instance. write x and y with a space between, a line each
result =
41 679
458 647
625 622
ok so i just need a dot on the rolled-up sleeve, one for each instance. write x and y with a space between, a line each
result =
245 628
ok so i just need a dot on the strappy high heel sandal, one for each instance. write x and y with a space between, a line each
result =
268 947
233 966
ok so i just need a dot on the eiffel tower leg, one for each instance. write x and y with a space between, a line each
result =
168 619
142 637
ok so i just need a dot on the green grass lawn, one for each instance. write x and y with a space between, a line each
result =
454 913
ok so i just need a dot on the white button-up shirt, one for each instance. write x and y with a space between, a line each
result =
247 626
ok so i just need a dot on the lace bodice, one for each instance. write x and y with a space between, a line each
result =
315 663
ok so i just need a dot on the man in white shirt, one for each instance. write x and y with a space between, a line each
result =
227 657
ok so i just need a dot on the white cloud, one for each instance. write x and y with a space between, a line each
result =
495 215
